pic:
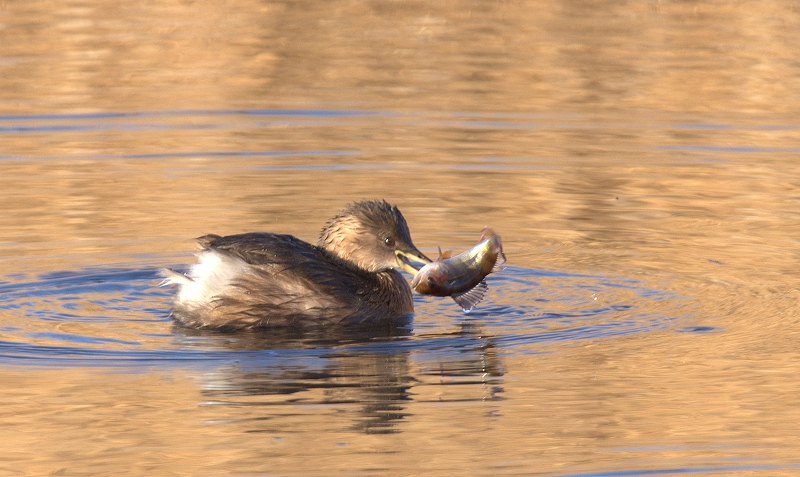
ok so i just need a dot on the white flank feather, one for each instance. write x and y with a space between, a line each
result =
208 278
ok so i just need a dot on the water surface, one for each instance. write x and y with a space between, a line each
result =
638 160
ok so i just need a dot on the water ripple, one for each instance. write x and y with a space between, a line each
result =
119 317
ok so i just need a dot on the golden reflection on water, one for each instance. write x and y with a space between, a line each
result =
534 56
655 141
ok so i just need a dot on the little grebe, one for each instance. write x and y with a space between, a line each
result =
260 280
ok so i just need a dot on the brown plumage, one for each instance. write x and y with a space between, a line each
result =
260 280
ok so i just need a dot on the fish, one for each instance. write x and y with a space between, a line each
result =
462 276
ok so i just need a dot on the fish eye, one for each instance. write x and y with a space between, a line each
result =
389 241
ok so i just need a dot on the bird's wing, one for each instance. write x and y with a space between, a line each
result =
301 274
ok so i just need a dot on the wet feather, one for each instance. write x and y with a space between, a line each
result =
258 280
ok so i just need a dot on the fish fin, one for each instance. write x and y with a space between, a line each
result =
472 297
486 233
498 264
444 255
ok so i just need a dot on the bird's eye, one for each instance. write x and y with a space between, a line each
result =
389 241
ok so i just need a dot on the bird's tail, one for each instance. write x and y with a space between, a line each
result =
171 277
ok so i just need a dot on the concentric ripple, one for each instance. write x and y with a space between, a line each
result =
120 317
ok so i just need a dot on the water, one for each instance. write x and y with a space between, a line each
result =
107 310
638 160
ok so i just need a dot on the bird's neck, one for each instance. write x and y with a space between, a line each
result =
337 238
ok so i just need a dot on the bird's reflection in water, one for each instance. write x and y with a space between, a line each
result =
470 359
373 369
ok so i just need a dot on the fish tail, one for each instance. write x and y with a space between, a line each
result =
498 264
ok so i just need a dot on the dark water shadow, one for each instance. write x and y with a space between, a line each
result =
369 369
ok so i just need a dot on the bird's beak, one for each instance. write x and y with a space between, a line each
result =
412 261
